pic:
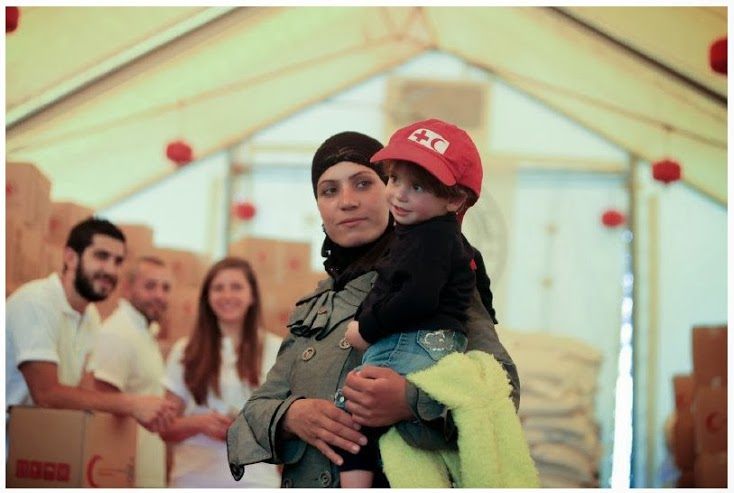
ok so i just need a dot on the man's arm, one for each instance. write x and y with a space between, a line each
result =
102 386
46 391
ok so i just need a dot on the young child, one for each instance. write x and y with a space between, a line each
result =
415 313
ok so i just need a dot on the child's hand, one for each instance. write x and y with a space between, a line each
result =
354 338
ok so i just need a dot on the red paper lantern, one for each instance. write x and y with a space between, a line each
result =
717 56
666 170
12 15
179 152
612 218
244 210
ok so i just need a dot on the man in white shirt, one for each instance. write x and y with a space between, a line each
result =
126 356
51 324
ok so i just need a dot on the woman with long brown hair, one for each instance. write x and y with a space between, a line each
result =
211 373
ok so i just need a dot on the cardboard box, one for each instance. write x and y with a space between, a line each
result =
138 239
188 268
27 195
296 259
180 317
24 248
66 448
54 257
64 216
710 419
686 479
273 261
710 470
683 391
263 255
279 299
275 319
709 356
683 444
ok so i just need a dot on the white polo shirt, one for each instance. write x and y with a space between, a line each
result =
41 325
126 353
127 356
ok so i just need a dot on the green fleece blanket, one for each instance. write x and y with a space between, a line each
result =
493 452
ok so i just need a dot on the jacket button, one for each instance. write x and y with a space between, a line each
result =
237 470
287 483
344 344
325 478
308 354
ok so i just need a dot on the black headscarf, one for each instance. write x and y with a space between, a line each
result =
346 146
342 263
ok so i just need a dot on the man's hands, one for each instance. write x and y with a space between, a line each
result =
155 414
354 337
320 423
376 396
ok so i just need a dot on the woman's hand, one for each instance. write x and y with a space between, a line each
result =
213 425
376 396
320 423
354 338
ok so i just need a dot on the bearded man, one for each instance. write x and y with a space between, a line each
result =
51 324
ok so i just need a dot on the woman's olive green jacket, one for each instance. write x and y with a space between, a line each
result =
314 364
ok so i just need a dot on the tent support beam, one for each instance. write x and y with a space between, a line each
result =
692 84
503 77
23 112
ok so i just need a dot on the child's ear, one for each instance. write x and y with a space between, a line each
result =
455 203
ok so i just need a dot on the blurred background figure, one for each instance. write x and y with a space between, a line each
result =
211 374
126 356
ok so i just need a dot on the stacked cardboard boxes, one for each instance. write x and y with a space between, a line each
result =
709 407
27 193
283 274
63 217
700 425
180 317
27 211
682 440
188 270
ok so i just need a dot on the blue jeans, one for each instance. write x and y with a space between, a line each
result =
404 352
408 352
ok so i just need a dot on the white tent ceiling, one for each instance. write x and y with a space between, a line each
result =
94 94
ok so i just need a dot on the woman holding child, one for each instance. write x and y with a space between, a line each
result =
292 418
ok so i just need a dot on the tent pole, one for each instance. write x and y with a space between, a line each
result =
639 401
228 197
666 69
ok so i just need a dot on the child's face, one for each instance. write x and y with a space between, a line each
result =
410 202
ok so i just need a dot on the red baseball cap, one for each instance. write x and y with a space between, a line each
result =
443 149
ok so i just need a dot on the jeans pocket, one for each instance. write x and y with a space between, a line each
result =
439 343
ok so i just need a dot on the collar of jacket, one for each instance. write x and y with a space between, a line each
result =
320 312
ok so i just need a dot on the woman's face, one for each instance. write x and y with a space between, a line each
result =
230 296
352 203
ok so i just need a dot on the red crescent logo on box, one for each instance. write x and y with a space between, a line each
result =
714 422
90 471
